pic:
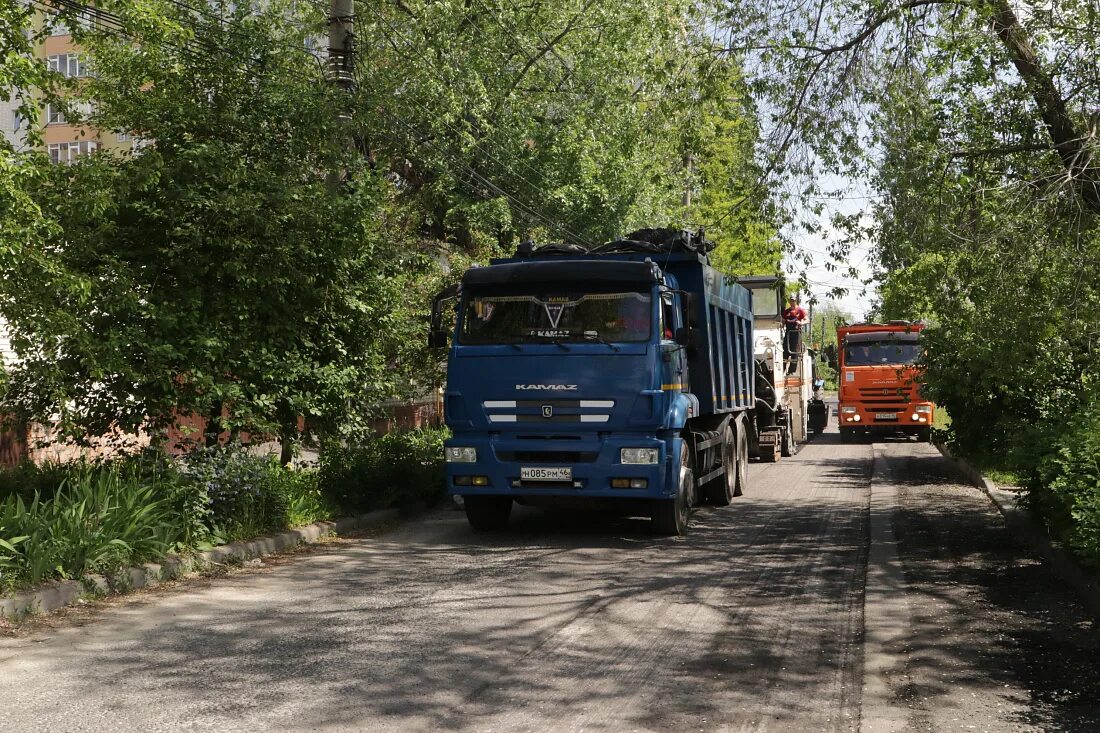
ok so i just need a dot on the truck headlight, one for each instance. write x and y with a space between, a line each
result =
638 455
848 410
460 454
924 408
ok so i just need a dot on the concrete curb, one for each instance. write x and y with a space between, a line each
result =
54 595
1033 534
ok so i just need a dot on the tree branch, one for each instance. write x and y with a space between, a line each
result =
1071 146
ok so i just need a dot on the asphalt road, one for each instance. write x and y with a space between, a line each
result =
853 587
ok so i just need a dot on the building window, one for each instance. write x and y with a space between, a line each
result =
16 121
67 64
69 152
123 137
54 115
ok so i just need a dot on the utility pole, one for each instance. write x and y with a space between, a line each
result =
341 44
689 167
341 64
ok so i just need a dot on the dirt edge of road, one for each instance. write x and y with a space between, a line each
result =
1031 534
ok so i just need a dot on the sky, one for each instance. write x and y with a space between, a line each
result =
851 198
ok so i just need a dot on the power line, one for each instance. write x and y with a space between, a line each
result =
118 26
472 173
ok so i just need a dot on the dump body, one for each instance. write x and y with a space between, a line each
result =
880 380
562 369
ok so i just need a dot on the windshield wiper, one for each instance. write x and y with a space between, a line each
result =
594 336
552 339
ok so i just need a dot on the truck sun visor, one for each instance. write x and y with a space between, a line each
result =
876 336
563 271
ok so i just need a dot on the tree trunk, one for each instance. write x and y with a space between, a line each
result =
1070 144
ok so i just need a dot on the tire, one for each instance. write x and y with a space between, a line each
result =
670 516
786 440
722 490
924 435
488 513
742 460
847 435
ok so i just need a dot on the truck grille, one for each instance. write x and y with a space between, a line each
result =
541 456
548 411
885 395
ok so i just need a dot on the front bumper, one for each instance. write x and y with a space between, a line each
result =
885 416
594 463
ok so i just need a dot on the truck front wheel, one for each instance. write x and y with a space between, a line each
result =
486 513
670 516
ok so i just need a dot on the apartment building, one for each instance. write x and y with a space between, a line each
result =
11 123
63 140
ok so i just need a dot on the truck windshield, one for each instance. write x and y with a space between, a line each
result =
868 353
765 302
557 316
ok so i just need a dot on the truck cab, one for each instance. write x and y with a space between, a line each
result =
574 380
880 381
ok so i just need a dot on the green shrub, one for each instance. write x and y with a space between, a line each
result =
234 494
396 469
97 520
64 520
303 499
1066 488
28 479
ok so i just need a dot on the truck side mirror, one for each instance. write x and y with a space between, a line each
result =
437 335
830 356
437 339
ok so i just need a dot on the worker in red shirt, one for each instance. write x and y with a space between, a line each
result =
794 316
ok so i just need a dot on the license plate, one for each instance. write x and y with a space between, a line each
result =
546 474
886 416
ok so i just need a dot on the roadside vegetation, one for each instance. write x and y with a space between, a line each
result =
972 129
61 521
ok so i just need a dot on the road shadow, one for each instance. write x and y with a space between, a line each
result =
548 625
987 614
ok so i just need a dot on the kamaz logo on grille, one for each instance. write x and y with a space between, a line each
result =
551 387
547 410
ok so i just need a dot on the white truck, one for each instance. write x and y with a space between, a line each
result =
785 393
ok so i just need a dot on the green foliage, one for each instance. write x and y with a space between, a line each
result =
1066 488
96 521
215 268
566 120
398 469
64 520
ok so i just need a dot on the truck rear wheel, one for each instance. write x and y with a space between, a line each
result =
786 442
722 491
670 516
742 460
487 513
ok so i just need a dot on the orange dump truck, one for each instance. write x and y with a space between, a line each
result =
879 380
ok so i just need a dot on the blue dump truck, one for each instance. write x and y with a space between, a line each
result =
619 377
